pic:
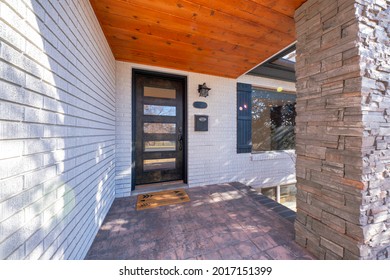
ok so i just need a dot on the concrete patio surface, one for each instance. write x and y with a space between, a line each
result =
225 221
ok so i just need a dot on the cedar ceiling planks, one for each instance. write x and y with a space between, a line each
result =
217 37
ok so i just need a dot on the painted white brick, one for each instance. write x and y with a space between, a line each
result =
10 225
59 74
8 246
10 187
17 58
17 254
33 146
14 166
11 17
12 74
37 177
19 6
17 94
14 39
10 149
36 253
34 245
16 203
34 13
39 116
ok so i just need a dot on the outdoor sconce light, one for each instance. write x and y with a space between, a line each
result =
203 90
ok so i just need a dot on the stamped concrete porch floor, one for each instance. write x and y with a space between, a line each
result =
225 221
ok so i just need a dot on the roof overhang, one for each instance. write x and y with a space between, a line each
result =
217 37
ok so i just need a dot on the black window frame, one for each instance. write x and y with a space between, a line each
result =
245 93
280 71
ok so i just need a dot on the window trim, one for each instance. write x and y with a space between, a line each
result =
272 70
247 148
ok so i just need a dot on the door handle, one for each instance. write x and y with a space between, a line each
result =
180 140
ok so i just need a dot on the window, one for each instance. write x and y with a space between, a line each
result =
280 66
285 195
265 120
273 120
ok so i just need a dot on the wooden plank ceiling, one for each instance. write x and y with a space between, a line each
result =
218 37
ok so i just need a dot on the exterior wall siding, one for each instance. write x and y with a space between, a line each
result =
212 156
342 123
374 38
57 129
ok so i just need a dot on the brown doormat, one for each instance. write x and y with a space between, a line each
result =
156 199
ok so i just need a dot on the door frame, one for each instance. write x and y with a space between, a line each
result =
156 74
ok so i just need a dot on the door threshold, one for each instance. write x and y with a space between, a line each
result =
147 188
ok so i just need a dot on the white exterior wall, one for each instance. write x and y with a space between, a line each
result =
212 156
57 128
123 130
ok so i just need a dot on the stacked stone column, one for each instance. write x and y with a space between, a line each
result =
343 128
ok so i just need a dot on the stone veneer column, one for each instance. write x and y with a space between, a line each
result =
343 128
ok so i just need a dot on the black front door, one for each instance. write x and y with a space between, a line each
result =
159 128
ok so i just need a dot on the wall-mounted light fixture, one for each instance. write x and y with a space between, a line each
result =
203 90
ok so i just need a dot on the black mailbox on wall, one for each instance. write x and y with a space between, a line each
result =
201 123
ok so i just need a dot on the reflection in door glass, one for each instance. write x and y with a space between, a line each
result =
166 128
158 164
169 93
160 146
155 110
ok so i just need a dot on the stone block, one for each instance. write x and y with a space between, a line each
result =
353 85
329 255
333 88
315 104
300 149
348 255
352 143
331 37
353 172
315 152
332 169
344 130
341 156
315 249
301 241
336 195
300 171
301 218
331 64
337 238
355 231
334 222
311 210
381 217
306 232
310 70
326 203
328 9
309 186
350 55
380 240
333 247
309 163
301 194
349 29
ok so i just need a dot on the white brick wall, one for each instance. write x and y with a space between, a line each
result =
60 158
212 156
57 128
123 129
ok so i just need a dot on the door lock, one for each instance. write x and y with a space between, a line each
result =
180 140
